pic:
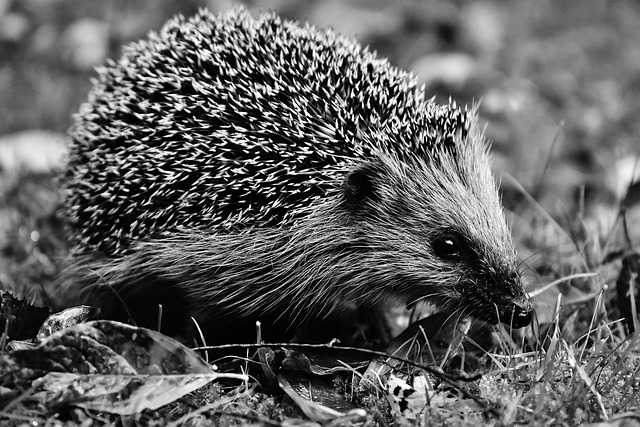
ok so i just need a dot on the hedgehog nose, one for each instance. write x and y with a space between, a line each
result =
520 313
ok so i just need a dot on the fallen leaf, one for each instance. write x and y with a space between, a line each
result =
317 399
107 366
120 394
100 347
66 318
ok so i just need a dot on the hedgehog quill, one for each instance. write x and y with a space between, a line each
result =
235 169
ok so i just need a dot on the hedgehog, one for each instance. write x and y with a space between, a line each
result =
230 169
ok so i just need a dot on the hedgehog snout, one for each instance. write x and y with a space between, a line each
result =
517 309
503 299
519 314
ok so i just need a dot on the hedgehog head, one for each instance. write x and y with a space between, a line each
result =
432 227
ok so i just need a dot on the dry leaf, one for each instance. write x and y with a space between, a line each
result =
315 397
121 394
100 347
66 318
108 366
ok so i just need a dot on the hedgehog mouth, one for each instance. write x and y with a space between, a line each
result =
516 312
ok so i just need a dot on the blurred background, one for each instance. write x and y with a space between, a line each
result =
557 81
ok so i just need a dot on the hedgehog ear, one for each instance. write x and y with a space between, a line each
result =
359 187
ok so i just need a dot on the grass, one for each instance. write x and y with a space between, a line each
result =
560 96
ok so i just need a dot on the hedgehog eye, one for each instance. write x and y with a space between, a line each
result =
449 246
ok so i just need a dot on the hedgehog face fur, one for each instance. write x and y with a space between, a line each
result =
455 263
260 169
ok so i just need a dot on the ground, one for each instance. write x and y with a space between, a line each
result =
558 87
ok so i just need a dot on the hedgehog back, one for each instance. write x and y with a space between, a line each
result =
228 122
